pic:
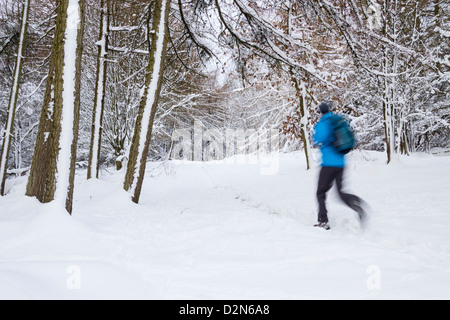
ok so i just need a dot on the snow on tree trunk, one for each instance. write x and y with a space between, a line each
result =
304 117
149 102
388 107
53 168
99 99
39 167
304 124
17 148
388 112
301 93
8 132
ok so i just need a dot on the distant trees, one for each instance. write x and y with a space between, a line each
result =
397 84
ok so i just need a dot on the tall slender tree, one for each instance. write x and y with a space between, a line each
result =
9 130
144 124
53 168
100 88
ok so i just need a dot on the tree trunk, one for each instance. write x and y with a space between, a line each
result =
149 102
39 165
17 147
100 89
388 111
301 95
9 130
53 167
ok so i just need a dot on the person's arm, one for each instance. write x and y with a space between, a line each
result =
321 135
314 141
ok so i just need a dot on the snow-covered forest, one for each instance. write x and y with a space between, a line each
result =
100 87
258 65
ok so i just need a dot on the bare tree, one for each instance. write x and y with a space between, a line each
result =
149 102
100 88
9 130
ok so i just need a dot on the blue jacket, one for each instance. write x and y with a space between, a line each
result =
323 137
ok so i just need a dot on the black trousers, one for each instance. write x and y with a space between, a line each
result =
326 178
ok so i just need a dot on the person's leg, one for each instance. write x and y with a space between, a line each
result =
326 178
354 202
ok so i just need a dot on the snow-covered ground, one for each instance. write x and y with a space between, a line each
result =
223 231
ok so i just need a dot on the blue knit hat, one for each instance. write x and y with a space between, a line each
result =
324 107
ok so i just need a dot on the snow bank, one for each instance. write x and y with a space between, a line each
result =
224 231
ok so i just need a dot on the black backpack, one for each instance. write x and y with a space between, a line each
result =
344 137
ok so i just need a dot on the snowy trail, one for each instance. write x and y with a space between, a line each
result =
217 231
